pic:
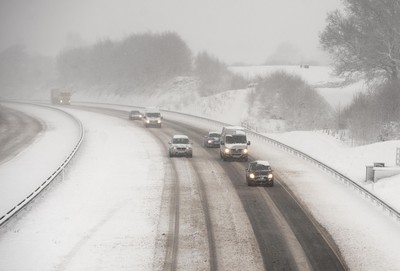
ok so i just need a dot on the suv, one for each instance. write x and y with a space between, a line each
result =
234 144
212 140
180 146
259 172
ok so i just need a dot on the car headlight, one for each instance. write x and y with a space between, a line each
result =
270 176
251 175
188 148
245 151
158 121
209 141
226 150
147 121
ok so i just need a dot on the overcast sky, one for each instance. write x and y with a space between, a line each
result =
247 31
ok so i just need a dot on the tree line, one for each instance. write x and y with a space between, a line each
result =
135 61
130 64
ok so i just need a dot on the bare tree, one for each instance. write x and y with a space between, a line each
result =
365 38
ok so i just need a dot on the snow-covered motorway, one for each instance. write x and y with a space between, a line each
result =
16 131
123 205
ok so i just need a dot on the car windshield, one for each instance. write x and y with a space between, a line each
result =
261 167
180 141
153 115
235 139
214 135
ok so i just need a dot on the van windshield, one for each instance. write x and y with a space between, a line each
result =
231 139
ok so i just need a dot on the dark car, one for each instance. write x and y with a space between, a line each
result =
259 172
135 115
212 140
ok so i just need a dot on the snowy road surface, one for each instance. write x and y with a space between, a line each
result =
17 131
33 164
103 217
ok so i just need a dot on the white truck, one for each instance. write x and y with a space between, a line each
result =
234 144
152 117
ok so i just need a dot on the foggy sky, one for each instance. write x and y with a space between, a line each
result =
232 30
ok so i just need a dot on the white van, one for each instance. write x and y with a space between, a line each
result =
234 144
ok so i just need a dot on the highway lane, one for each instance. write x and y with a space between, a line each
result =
17 131
287 236
202 223
291 240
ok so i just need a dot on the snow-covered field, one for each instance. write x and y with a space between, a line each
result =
368 238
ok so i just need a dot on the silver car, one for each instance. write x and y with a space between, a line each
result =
180 146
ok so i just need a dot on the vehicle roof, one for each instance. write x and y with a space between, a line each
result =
240 132
180 136
214 132
261 162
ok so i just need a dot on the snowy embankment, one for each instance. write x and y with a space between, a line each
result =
350 161
320 77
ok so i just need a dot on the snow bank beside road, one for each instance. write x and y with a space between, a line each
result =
350 161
